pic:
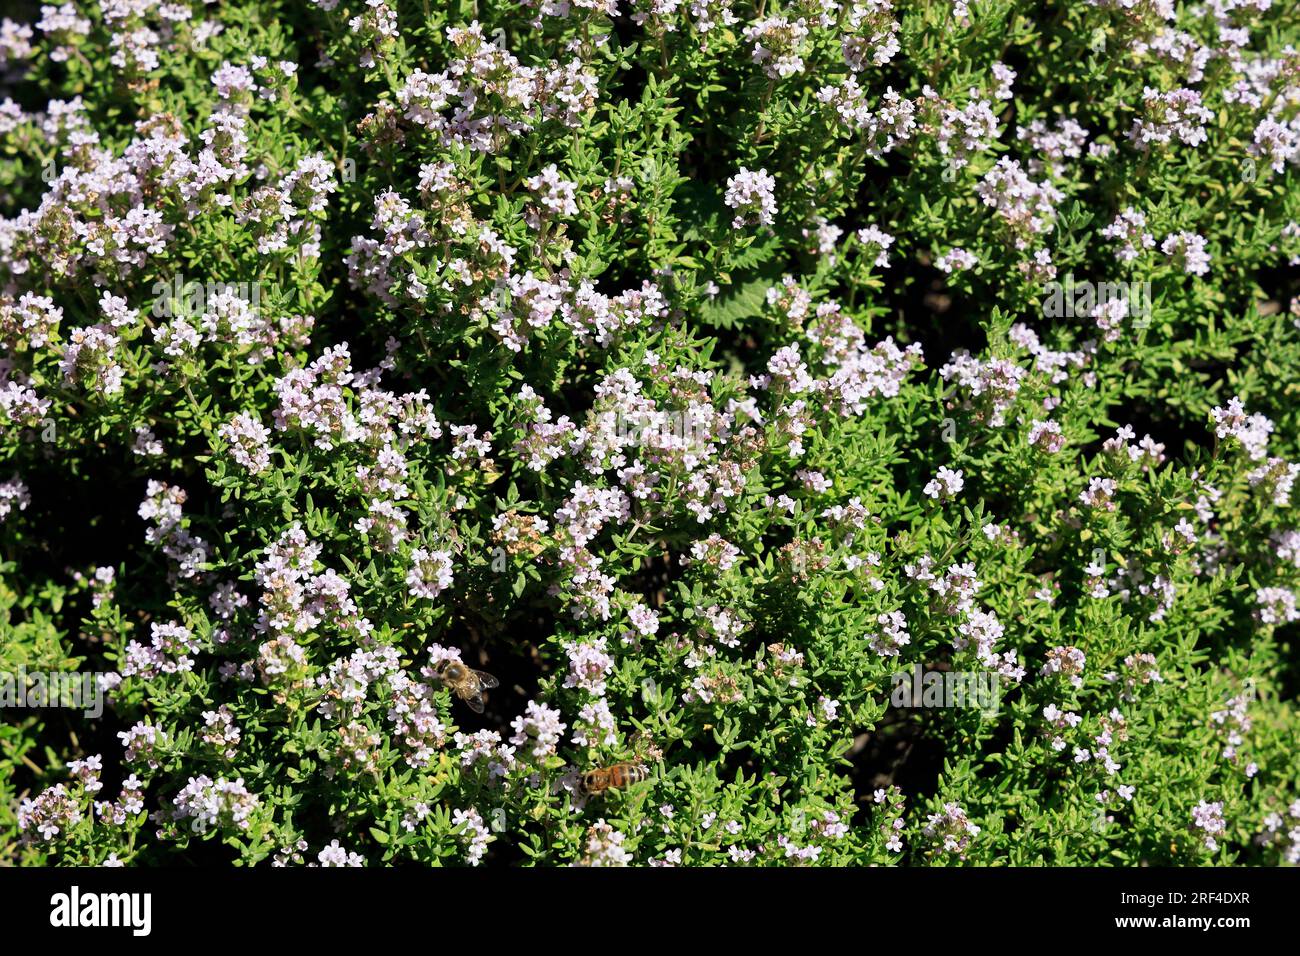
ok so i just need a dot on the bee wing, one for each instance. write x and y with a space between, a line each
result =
475 703
486 681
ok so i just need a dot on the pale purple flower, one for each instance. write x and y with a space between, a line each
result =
751 194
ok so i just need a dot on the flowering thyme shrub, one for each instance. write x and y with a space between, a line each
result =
693 367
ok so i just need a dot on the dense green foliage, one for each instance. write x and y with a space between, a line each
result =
693 367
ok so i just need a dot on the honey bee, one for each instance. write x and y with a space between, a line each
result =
465 682
618 777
